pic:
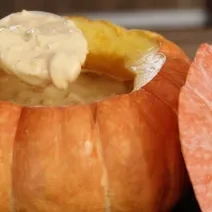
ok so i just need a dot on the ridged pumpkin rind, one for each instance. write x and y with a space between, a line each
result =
120 154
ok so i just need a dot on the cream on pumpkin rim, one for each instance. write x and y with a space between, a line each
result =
42 58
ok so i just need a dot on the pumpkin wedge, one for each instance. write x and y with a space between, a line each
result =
195 124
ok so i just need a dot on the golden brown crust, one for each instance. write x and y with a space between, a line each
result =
122 154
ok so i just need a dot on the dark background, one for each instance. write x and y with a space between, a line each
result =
69 6
188 203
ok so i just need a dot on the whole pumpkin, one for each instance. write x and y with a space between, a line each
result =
119 154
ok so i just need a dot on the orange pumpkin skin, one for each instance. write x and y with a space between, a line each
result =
121 154
195 125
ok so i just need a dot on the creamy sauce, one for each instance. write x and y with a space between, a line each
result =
40 48
41 57
89 87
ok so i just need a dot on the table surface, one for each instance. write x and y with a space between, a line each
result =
189 40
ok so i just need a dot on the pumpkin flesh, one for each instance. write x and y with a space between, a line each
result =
119 154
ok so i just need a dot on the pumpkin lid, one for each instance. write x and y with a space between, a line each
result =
195 123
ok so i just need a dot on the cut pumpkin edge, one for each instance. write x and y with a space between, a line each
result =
121 45
165 44
195 125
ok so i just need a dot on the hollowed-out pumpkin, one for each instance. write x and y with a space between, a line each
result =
117 154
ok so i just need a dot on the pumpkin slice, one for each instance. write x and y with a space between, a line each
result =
195 122
118 154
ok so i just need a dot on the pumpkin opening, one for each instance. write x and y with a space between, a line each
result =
89 87
118 62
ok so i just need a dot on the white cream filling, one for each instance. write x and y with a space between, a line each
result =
40 48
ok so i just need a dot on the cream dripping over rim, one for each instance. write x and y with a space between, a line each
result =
39 48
